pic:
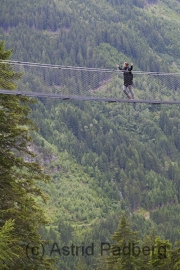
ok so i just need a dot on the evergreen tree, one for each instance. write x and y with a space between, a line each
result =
6 244
161 255
121 256
20 215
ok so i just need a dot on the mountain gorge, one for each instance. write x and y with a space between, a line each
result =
104 158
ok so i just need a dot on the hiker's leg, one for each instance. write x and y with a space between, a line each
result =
131 91
125 91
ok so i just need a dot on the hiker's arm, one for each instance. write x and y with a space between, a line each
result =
118 66
131 68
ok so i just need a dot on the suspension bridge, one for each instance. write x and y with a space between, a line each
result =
82 83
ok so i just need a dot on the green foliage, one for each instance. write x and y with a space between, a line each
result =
19 176
7 251
103 157
124 237
70 34
152 253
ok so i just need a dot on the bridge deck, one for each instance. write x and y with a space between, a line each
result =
105 99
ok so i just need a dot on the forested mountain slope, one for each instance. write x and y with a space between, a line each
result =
70 33
103 158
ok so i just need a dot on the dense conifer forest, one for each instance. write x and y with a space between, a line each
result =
114 167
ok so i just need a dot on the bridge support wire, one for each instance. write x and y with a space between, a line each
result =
82 83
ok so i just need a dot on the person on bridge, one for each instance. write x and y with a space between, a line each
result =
128 79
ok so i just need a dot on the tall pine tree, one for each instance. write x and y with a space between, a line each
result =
20 216
121 256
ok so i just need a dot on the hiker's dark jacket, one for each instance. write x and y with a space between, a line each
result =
128 76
